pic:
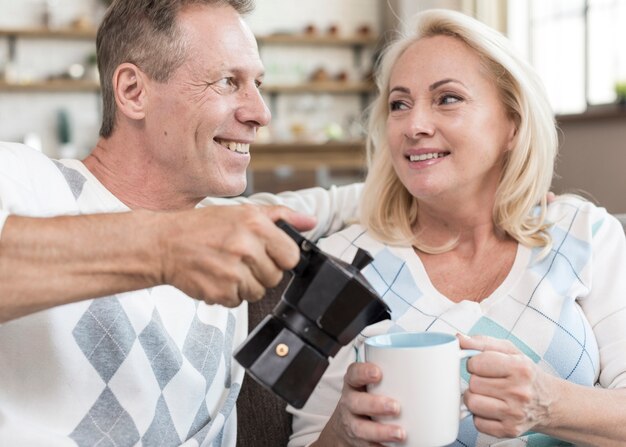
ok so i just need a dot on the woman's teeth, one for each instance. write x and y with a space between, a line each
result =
423 157
240 148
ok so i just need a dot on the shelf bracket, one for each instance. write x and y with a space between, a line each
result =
12 43
358 55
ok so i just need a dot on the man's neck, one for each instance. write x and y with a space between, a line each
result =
129 176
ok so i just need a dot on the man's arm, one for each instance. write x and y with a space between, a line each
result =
221 255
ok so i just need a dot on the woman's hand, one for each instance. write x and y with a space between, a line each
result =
351 423
508 394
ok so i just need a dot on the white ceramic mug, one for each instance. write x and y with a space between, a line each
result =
422 371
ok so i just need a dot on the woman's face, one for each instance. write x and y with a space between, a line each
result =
447 128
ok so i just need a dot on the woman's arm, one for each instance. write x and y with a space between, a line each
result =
510 395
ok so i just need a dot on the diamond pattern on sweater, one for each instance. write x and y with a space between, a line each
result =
165 359
109 420
105 335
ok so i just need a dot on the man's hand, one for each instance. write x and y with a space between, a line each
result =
228 254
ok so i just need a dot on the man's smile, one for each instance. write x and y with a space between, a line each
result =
240 148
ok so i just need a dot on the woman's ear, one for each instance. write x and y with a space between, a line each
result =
512 137
129 90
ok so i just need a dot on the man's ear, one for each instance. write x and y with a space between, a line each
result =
130 90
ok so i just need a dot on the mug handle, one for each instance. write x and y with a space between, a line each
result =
465 354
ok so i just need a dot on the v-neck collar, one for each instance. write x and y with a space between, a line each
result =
420 276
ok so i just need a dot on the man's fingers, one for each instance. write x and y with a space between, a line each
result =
250 289
281 248
240 245
301 222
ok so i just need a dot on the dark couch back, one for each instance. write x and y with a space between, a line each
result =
261 417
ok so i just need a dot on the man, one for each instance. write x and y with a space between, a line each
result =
152 367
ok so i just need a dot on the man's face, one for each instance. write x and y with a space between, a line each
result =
202 121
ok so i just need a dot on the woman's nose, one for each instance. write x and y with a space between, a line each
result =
419 122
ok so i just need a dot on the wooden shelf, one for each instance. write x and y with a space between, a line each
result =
306 155
55 86
305 39
595 113
336 87
49 33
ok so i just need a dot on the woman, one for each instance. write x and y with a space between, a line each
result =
462 145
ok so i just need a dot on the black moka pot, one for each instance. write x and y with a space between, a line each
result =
325 306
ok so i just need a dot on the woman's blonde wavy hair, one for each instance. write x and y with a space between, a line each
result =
391 213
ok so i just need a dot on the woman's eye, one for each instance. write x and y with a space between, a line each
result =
449 99
397 105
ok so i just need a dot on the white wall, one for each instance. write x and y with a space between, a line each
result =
293 64
24 113
294 15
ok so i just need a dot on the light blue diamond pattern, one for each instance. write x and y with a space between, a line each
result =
565 262
573 347
391 278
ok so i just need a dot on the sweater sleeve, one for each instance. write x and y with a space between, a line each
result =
335 207
3 218
605 305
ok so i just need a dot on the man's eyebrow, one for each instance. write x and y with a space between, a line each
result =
434 85
239 72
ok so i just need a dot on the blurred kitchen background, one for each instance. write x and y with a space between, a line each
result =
318 55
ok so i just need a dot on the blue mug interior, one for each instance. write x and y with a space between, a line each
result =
409 340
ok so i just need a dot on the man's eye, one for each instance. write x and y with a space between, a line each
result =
225 82
224 85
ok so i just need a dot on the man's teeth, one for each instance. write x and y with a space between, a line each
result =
241 148
423 157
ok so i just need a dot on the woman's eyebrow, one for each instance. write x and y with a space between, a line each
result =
434 85
400 89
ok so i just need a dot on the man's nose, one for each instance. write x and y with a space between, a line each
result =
254 111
